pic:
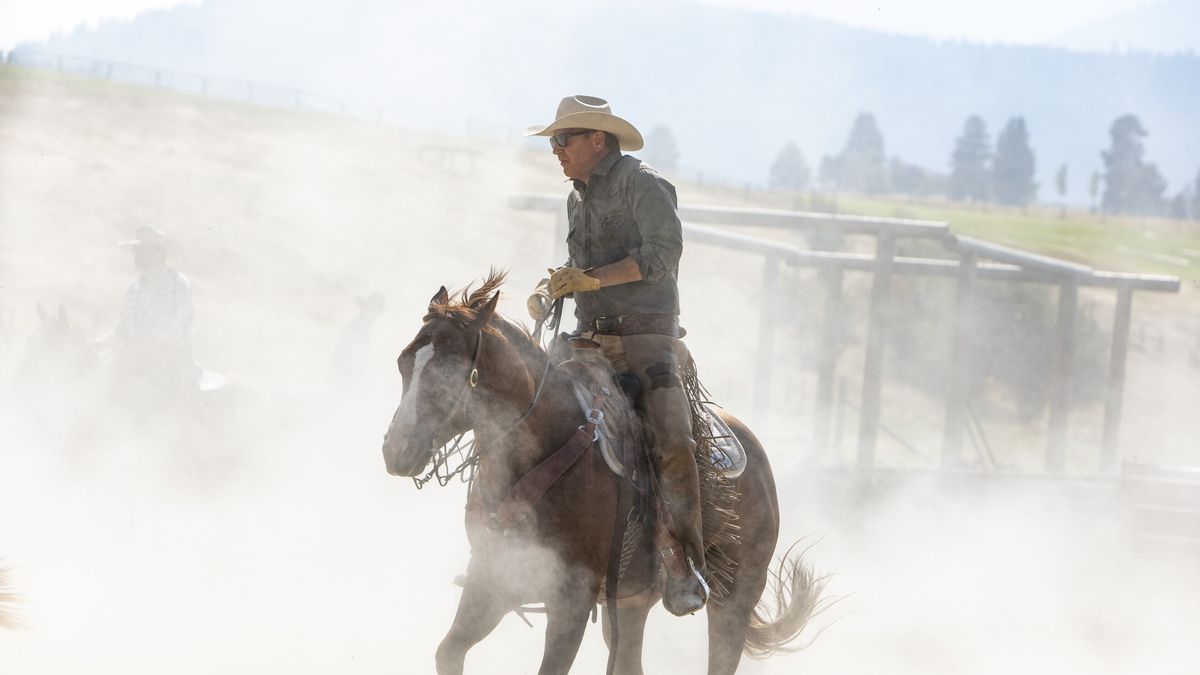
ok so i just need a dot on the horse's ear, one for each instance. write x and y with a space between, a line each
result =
440 298
485 310
62 314
42 312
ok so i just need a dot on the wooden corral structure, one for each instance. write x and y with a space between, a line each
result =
976 259
1150 503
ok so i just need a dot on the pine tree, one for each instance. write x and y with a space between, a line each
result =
1130 184
1195 205
1014 165
860 166
789 171
661 151
969 175
1060 185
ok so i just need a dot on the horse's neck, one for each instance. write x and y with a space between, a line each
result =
528 435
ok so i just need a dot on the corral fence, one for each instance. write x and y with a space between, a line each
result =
976 259
227 88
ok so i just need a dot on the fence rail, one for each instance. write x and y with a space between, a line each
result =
976 259
227 88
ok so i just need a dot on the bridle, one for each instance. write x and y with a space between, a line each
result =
465 450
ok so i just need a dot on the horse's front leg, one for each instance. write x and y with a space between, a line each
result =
480 609
566 620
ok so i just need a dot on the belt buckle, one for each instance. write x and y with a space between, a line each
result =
607 324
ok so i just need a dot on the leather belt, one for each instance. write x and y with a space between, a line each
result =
638 324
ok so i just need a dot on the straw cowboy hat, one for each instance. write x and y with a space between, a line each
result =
589 112
146 235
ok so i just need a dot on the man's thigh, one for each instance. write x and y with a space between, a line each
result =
657 360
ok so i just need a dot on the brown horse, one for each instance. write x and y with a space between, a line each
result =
469 369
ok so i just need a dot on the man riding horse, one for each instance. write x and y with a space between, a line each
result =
624 247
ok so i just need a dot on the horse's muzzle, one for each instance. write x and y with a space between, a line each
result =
404 458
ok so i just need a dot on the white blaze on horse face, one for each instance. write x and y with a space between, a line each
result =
408 406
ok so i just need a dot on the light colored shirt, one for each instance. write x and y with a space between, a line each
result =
157 311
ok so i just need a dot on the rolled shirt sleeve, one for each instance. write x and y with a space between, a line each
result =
655 211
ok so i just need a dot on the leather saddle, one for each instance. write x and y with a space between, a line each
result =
726 452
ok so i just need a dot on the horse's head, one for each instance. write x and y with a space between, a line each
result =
56 352
440 368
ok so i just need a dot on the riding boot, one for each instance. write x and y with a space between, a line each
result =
686 590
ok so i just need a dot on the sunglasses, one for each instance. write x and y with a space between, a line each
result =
561 140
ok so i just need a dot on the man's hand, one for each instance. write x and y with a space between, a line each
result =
566 280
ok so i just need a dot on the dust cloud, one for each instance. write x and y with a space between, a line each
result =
269 538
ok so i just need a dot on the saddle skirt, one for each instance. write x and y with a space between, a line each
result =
727 454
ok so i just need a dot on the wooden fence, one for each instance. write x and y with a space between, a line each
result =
975 260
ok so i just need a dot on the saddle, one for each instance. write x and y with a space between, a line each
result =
725 451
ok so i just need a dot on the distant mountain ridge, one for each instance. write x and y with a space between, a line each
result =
1163 27
733 85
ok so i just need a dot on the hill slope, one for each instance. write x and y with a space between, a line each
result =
733 85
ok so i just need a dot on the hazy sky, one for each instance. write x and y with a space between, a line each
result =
1023 21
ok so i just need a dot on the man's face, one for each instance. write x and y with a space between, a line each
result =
581 153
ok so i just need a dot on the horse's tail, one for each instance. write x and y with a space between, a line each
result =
796 596
9 618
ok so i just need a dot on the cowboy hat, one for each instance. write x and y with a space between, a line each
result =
589 112
146 235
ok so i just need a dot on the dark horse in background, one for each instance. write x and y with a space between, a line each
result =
470 369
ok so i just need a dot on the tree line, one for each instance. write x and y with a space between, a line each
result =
983 172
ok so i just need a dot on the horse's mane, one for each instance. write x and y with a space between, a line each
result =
464 309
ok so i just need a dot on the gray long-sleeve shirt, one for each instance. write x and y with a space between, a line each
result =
626 210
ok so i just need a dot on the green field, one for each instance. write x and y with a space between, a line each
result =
1146 245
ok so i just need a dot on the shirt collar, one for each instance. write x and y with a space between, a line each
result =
601 169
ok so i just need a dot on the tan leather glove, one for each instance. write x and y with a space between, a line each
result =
540 302
567 280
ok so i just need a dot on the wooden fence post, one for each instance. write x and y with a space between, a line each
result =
868 424
1116 380
1060 388
959 389
839 417
765 361
827 358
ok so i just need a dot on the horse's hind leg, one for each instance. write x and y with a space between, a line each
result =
729 616
479 611
727 625
631 629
